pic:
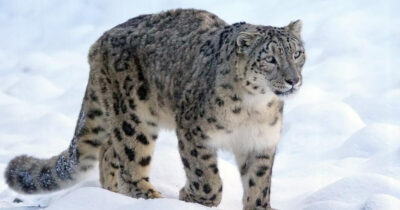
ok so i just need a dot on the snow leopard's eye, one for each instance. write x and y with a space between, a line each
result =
297 54
270 59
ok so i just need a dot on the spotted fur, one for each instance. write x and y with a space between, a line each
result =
217 85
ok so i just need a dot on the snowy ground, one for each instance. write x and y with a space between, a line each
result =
341 140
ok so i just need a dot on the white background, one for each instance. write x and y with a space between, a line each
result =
341 139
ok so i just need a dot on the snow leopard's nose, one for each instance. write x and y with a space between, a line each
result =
292 81
291 76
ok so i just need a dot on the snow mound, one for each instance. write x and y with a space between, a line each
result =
370 140
385 163
330 205
319 126
354 189
382 107
34 88
381 202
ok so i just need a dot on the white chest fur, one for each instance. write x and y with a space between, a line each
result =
256 128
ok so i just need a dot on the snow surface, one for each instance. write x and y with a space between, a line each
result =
340 148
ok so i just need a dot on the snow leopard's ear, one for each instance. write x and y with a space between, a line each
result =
246 40
294 27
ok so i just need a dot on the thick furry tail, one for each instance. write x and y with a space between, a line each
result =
30 175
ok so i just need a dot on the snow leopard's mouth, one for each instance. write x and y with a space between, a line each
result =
285 93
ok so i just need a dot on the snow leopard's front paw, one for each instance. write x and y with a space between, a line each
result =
145 190
253 207
205 200
139 189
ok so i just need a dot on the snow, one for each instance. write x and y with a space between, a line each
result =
340 146
82 199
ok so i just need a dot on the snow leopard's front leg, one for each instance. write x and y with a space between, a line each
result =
203 184
256 170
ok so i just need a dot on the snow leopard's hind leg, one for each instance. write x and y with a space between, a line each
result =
109 167
134 138
134 124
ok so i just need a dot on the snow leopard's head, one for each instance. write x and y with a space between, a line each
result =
271 59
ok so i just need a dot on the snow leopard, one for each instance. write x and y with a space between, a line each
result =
217 85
